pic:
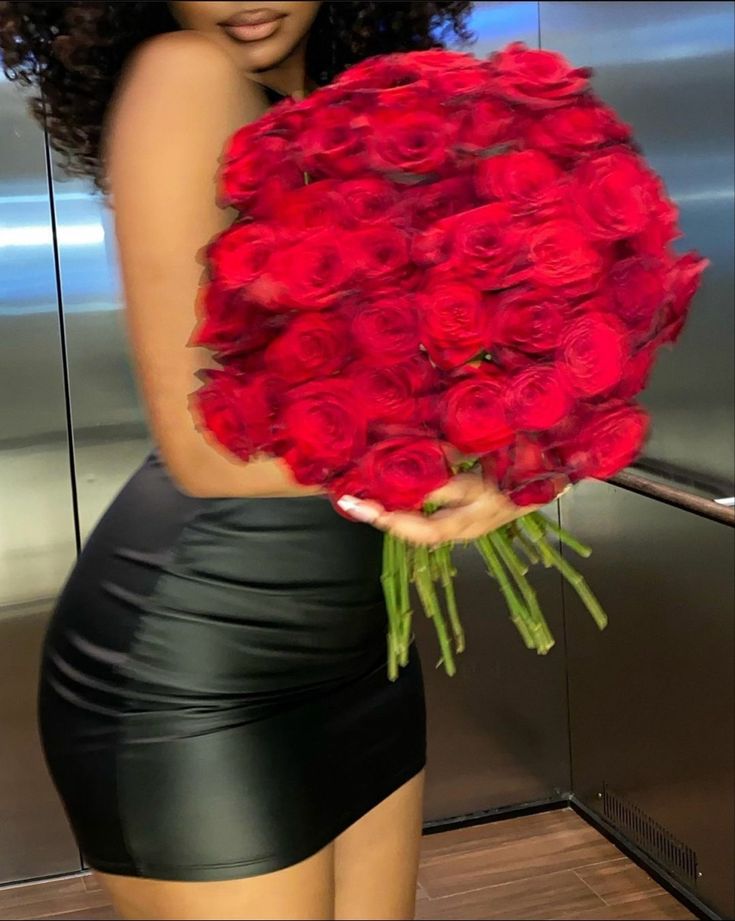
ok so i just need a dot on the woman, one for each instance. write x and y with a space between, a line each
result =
214 705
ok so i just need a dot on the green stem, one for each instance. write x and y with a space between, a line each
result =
403 551
563 535
447 571
518 613
540 628
430 602
390 589
526 545
578 583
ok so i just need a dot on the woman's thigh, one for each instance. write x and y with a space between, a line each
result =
302 892
376 859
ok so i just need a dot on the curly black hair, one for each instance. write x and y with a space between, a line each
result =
74 53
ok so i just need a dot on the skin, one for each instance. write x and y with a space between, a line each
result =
182 95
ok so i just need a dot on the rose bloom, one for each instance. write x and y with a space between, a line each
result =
334 144
312 345
486 246
424 205
408 142
231 324
388 327
607 441
401 472
575 130
592 354
473 415
529 319
454 323
536 398
322 429
613 195
369 199
485 124
638 289
314 207
239 254
238 410
388 392
376 253
537 79
527 180
562 257
247 184
686 277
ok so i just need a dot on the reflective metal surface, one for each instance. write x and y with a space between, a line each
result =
652 698
37 543
667 67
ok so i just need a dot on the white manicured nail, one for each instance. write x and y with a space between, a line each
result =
357 509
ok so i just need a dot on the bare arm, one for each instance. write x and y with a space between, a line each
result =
179 101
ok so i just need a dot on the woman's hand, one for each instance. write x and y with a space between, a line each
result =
471 507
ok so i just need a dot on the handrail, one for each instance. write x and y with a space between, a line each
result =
673 495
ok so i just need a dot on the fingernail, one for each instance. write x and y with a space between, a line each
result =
357 509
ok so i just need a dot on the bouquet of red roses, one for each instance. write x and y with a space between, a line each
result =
436 257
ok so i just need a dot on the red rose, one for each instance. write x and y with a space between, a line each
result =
387 328
413 142
686 277
527 180
311 275
369 199
313 345
592 354
536 398
257 179
377 252
401 472
313 208
540 491
529 319
638 370
614 194
239 254
459 85
537 79
607 441
424 205
485 124
231 324
388 393
525 471
334 144
439 60
662 227
237 410
577 129
322 429
638 289
486 246
473 414
561 256
454 322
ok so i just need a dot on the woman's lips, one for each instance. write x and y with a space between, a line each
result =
252 27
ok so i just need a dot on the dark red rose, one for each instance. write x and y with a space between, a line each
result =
424 205
313 208
322 429
311 275
387 328
608 440
529 319
537 79
231 324
577 129
239 254
562 257
387 391
368 199
454 320
638 370
401 472
685 279
473 413
237 410
638 289
662 227
458 85
536 398
487 247
313 345
486 124
334 144
438 60
613 195
540 491
413 142
526 180
592 354
375 253
258 179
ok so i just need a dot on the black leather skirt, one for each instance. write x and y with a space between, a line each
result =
214 700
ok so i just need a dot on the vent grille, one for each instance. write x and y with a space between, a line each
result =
652 838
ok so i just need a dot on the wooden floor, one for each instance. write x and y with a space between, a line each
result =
547 866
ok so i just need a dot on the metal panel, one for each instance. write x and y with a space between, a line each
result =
37 542
668 69
652 699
